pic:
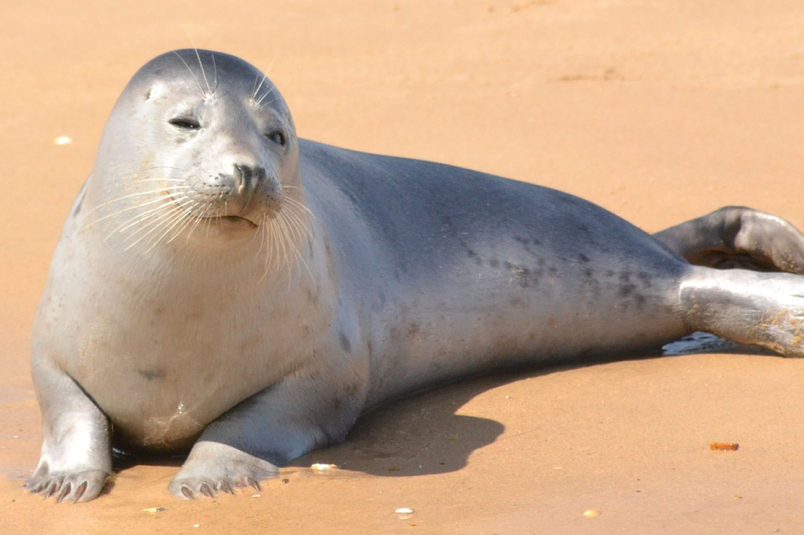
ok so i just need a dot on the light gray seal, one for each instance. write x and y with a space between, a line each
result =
224 286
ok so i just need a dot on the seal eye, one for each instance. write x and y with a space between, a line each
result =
277 137
185 123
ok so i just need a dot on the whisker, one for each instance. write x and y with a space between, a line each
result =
183 220
139 218
301 205
303 233
161 180
173 167
264 238
259 101
155 224
124 210
304 227
198 220
200 87
203 73
167 189
215 72
162 229
149 220
280 242
258 87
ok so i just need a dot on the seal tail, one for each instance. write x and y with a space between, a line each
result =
762 309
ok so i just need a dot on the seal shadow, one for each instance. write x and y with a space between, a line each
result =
421 434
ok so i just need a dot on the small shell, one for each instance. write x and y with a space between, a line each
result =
591 513
63 140
322 467
154 510
404 511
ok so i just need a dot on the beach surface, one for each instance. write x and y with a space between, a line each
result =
659 111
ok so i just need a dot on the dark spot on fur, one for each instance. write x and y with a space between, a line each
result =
413 329
583 259
345 343
524 275
152 375
626 290
312 296
530 245
494 262
518 302
646 278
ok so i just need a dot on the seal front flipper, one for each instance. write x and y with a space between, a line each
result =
276 425
76 455
214 467
738 237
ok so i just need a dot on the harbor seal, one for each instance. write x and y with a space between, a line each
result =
226 287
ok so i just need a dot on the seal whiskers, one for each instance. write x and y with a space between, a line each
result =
147 223
129 208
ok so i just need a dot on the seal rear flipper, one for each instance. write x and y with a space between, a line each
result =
76 457
250 441
738 237
762 309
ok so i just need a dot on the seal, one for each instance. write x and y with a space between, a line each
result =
226 287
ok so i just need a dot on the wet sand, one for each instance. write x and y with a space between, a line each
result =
658 111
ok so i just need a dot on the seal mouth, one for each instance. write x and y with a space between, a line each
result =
234 220
228 220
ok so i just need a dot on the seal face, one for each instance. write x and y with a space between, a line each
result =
212 152
223 286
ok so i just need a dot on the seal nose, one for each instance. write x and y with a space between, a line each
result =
248 178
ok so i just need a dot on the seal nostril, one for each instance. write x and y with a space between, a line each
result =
243 175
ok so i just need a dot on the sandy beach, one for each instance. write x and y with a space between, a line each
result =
658 111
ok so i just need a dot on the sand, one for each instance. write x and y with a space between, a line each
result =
660 111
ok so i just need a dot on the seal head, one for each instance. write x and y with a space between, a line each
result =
214 147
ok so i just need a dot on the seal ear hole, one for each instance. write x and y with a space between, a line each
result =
185 123
277 137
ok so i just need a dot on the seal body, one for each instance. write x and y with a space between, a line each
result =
223 286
